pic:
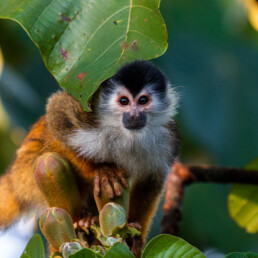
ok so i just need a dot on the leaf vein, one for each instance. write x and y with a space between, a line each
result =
144 35
103 53
127 29
45 9
99 27
144 7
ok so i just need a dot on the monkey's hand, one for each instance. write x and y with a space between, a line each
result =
108 178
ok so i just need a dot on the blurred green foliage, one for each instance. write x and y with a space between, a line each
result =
212 59
242 203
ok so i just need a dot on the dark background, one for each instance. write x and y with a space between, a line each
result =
212 60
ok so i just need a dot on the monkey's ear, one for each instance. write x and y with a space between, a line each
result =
64 115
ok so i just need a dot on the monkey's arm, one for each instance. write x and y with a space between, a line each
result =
65 116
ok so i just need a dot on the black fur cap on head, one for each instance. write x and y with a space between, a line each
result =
135 76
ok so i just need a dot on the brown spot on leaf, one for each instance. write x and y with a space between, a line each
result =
124 45
65 18
67 77
145 20
134 46
65 54
84 34
81 77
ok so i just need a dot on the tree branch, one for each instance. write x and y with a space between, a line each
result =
182 175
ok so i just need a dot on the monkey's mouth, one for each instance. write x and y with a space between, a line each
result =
135 126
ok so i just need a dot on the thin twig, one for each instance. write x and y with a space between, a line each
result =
182 175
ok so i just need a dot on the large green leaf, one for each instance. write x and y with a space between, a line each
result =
242 255
118 250
34 248
170 246
243 203
84 42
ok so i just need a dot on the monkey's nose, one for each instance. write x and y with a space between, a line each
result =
134 111
133 122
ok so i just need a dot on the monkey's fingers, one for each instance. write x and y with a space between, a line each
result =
82 222
75 225
116 185
123 177
106 184
87 223
97 184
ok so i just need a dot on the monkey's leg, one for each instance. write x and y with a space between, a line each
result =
144 199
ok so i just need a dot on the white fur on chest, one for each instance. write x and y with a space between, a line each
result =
139 153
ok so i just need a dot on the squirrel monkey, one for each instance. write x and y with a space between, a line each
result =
130 132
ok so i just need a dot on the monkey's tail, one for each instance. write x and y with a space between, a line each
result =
9 204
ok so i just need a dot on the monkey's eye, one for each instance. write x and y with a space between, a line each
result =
143 100
124 101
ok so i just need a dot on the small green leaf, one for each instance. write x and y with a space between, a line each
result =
242 255
170 246
118 250
243 203
34 248
84 42
86 252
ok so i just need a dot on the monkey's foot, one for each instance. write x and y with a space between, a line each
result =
135 225
109 179
135 243
87 219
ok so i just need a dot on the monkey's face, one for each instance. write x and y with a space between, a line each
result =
145 110
138 97
134 109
